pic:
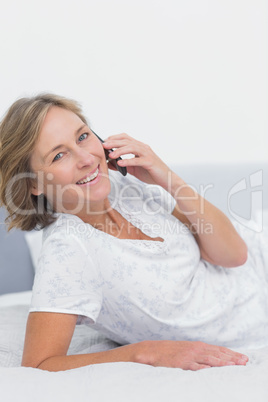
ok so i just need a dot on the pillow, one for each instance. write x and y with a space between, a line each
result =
34 242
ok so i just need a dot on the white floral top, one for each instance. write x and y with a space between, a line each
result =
134 290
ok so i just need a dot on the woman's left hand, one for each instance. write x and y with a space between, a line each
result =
145 165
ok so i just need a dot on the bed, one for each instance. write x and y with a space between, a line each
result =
241 192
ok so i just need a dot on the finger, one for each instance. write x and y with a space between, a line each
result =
196 366
234 354
237 359
127 146
126 150
226 354
212 361
115 143
136 148
120 136
215 361
136 161
133 149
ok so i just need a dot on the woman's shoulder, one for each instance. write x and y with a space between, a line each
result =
66 226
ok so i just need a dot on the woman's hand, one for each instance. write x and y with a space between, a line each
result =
188 355
145 165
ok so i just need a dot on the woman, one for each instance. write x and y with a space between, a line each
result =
120 254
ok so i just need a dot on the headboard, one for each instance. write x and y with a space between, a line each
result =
243 185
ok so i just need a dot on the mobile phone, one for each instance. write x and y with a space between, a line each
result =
121 169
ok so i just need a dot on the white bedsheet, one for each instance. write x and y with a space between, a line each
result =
138 383
116 381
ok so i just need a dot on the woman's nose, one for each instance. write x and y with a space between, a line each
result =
84 158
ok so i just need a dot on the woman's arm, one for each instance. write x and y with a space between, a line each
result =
217 238
218 241
48 336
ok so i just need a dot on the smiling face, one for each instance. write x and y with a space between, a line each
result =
71 165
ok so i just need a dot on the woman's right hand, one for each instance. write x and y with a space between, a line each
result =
188 355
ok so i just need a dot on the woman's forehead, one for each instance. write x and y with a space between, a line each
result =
58 119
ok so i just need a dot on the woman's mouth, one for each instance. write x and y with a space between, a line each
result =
89 178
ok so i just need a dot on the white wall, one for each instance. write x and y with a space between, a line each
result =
187 77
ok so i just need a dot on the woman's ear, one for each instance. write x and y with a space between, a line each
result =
35 190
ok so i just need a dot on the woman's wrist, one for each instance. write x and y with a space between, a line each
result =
176 185
143 353
172 183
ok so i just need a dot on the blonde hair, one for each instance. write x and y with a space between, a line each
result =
19 132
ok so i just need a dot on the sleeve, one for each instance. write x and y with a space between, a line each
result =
130 191
157 195
66 280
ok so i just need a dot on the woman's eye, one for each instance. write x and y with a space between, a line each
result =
83 136
58 156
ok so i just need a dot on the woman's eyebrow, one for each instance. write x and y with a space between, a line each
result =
61 145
